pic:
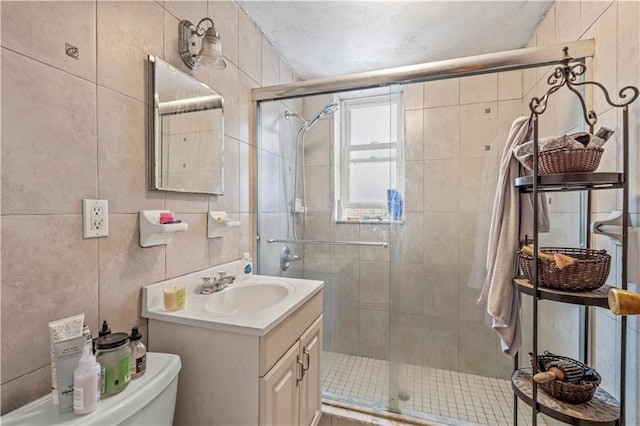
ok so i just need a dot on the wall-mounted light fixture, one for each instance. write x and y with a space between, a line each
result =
198 45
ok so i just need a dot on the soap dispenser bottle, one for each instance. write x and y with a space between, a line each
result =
247 262
138 354
105 329
86 383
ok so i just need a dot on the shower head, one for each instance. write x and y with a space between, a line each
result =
330 108
327 110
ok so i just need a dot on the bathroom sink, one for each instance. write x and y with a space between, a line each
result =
244 298
252 305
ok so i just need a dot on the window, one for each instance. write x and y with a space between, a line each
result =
370 150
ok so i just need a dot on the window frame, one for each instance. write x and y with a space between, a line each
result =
343 201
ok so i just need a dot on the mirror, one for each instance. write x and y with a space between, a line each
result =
187 132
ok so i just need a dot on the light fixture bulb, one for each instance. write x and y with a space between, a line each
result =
211 50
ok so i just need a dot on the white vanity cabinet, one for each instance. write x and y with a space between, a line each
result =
311 384
245 377
290 392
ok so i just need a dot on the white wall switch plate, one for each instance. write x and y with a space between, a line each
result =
95 218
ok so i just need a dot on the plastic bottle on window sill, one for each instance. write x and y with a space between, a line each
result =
247 264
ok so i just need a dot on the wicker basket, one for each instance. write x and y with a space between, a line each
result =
588 273
580 383
569 160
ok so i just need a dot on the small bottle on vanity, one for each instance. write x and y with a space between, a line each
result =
247 264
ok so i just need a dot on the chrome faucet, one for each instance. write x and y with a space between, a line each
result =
214 284
207 285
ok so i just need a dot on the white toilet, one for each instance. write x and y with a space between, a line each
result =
149 400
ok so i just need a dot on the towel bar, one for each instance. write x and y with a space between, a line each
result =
333 243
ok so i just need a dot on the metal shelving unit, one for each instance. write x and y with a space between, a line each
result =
603 409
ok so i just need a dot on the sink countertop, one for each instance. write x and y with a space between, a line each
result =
196 314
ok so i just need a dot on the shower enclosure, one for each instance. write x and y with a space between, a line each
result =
402 327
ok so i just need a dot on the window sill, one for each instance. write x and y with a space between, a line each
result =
369 222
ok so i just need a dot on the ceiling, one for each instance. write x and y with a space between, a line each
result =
328 38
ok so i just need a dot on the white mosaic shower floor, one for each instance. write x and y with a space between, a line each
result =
465 399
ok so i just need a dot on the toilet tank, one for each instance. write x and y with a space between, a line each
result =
149 400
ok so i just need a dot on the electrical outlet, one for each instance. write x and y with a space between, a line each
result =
95 218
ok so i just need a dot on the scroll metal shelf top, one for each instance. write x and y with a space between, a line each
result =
568 74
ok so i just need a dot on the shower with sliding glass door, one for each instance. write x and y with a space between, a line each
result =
385 194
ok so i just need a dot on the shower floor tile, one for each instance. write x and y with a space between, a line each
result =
430 393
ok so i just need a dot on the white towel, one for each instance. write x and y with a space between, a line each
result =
503 301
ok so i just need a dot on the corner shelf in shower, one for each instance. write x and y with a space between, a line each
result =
602 410
598 297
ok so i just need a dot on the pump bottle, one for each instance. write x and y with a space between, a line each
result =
86 383
138 354
105 329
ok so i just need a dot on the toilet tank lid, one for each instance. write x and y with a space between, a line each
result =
162 369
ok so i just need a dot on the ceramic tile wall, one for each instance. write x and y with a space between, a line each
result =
75 129
616 64
464 121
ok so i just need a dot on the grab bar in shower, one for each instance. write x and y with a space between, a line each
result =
333 243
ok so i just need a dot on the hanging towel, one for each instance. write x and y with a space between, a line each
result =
508 218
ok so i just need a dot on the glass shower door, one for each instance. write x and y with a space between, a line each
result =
442 346
328 199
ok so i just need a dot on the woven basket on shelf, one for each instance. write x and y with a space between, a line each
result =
588 273
580 383
569 160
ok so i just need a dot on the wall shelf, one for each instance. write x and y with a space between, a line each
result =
218 223
154 233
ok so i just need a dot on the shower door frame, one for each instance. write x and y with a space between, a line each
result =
529 57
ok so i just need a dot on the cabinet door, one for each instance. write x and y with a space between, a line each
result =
279 391
311 385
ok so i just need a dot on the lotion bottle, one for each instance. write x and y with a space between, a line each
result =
86 383
247 264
